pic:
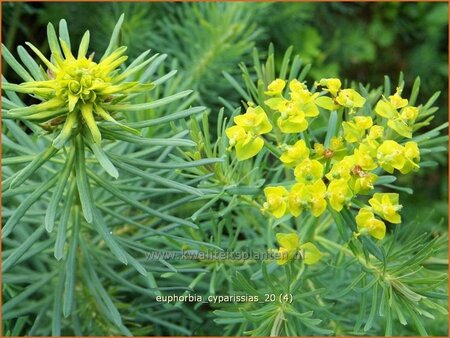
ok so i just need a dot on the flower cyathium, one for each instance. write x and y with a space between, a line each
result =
76 91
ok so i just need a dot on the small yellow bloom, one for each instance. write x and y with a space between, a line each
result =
235 134
386 109
355 130
254 120
364 157
319 149
248 147
293 121
290 246
412 156
296 86
401 126
311 254
391 156
350 98
245 135
409 113
376 132
276 201
401 122
397 101
309 171
333 85
339 194
341 169
386 205
366 222
336 143
275 87
295 154
363 182
302 197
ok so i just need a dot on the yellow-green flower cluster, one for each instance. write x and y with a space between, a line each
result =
290 247
76 91
347 166
245 136
294 110
385 206
401 117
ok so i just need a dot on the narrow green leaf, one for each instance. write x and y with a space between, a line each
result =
237 86
373 308
97 290
31 65
331 130
161 165
56 316
21 249
414 92
295 68
168 118
122 196
26 172
70 266
304 72
149 105
107 236
50 214
53 41
82 181
26 204
15 65
101 156
387 86
14 302
21 137
64 32
158 179
285 62
84 45
63 222
169 142
114 41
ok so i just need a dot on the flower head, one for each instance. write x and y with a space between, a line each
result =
275 87
350 98
304 197
78 92
412 157
333 85
295 154
290 246
308 171
293 112
339 194
276 201
366 222
245 135
356 129
391 156
401 117
386 205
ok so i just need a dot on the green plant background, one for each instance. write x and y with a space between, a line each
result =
361 42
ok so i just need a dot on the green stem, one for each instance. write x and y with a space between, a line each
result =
276 327
274 150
